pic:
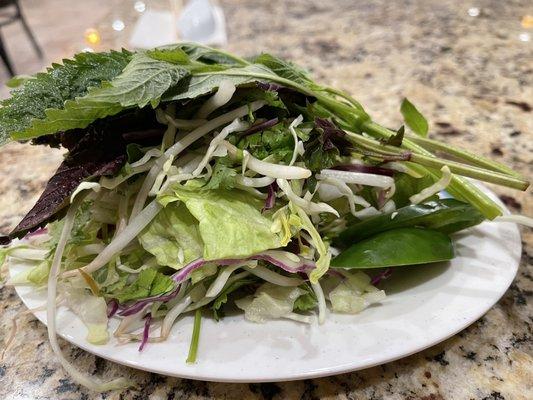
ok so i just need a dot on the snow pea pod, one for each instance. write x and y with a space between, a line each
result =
443 215
396 247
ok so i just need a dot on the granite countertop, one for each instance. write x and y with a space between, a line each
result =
470 75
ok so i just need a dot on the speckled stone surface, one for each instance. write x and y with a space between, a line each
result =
471 76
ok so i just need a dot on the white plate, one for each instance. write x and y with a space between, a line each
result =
425 305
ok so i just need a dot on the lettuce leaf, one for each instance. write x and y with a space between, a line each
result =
269 302
91 310
173 237
230 222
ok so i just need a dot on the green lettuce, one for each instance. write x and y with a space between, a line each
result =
229 221
173 237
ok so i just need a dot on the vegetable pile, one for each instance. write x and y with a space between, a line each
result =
198 181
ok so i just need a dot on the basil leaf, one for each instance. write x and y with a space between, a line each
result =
444 215
397 247
413 118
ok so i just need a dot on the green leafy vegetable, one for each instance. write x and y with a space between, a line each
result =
276 141
173 237
406 186
223 176
203 83
306 301
143 81
230 222
283 68
413 118
50 89
148 283
269 302
397 247
444 215
223 296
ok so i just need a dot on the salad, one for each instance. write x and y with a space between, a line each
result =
198 182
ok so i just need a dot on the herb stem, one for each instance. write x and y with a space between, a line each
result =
459 186
435 145
195 339
437 163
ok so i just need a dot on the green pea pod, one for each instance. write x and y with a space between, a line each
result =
397 247
443 215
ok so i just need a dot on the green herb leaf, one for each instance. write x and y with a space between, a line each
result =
223 176
174 55
143 81
223 296
445 215
397 139
276 141
306 301
413 118
283 68
207 55
50 89
17 81
148 283
406 186
397 247
203 83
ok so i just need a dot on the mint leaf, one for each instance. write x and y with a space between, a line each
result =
50 89
203 83
143 81
413 118
174 55
283 68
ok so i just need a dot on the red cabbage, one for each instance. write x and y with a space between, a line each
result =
146 330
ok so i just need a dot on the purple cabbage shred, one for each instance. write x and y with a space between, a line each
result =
146 331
